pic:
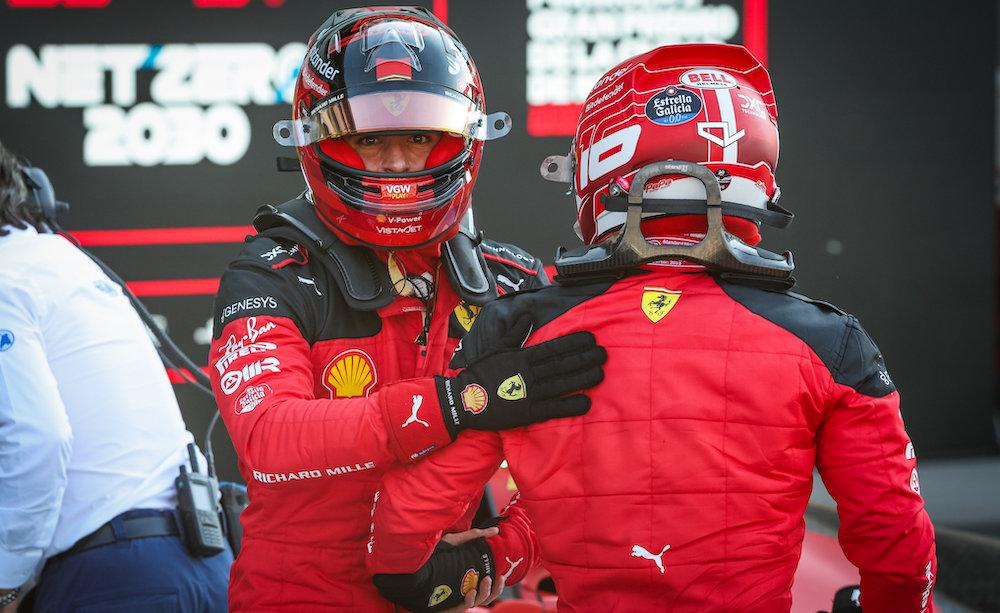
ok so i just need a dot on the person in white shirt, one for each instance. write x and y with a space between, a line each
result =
91 437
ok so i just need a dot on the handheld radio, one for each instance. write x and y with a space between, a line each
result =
196 500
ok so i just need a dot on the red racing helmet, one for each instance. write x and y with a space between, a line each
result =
710 104
394 70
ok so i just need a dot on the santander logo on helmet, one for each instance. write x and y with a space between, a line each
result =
706 103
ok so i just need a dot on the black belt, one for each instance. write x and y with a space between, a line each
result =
135 528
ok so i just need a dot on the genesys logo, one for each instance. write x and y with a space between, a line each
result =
197 93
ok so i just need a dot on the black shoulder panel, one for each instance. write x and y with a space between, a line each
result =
545 304
251 287
514 268
835 336
275 277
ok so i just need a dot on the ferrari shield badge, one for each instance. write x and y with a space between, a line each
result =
466 314
512 388
439 595
658 301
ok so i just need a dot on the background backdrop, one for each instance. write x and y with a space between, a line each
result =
153 119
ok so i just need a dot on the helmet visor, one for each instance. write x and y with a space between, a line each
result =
392 110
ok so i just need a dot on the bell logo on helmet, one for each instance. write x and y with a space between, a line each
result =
708 78
609 153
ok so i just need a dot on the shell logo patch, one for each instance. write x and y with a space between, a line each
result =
439 595
658 301
466 314
352 373
512 388
469 581
474 398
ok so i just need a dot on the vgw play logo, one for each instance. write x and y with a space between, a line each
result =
192 111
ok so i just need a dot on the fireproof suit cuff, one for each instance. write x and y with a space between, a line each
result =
515 550
413 419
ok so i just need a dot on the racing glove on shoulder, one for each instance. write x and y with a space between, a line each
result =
443 581
511 385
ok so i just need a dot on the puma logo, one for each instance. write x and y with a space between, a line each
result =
506 281
510 570
417 401
638 551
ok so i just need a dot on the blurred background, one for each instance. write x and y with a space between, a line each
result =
153 119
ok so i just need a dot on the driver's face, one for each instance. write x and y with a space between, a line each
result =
394 153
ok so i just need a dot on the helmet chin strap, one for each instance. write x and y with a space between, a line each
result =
719 250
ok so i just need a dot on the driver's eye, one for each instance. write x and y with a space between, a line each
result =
367 141
420 139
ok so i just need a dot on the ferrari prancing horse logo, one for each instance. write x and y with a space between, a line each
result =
466 314
658 301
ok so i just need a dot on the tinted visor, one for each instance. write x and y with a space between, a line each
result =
355 112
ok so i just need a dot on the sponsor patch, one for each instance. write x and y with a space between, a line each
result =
255 302
725 179
397 191
232 380
422 452
244 350
708 78
512 388
403 230
322 67
439 595
752 106
350 374
914 481
474 398
251 397
253 333
398 219
312 82
603 98
673 106
470 581
657 302
466 314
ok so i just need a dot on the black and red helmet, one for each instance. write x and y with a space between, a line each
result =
389 70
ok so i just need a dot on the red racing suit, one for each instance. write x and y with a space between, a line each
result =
684 487
320 399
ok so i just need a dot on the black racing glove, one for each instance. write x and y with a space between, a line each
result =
442 583
512 385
